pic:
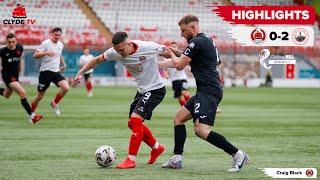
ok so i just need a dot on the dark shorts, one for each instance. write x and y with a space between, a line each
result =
178 86
144 104
203 107
9 78
46 77
86 76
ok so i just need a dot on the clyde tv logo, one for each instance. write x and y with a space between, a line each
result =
19 17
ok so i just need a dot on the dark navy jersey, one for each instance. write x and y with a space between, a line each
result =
204 63
10 59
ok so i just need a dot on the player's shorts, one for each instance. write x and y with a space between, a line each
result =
46 77
178 86
203 107
143 104
9 78
87 76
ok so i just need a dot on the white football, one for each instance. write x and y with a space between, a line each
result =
105 156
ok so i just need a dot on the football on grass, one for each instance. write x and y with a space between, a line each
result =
105 156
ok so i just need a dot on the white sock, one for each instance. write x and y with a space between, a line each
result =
132 158
176 158
177 155
32 115
238 153
156 145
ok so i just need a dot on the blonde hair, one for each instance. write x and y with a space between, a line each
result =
188 19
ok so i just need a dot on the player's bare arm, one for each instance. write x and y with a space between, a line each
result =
176 51
167 63
63 64
165 53
39 54
88 66
180 62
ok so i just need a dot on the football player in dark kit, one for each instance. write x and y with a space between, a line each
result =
202 55
10 59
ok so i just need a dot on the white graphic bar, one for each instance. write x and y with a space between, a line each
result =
271 61
290 172
273 35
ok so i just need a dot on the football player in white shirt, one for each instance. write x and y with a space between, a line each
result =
52 64
179 81
140 59
84 59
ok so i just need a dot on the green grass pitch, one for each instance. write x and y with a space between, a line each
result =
276 127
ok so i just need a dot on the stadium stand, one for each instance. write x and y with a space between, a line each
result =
157 20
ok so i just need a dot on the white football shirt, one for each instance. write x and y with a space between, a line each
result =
142 64
50 63
84 59
176 75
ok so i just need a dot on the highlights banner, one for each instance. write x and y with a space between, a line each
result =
266 14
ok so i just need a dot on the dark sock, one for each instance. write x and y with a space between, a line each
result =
26 105
221 142
180 135
1 91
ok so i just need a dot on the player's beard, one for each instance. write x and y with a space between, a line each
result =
189 37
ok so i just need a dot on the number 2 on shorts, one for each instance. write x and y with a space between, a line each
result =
196 110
